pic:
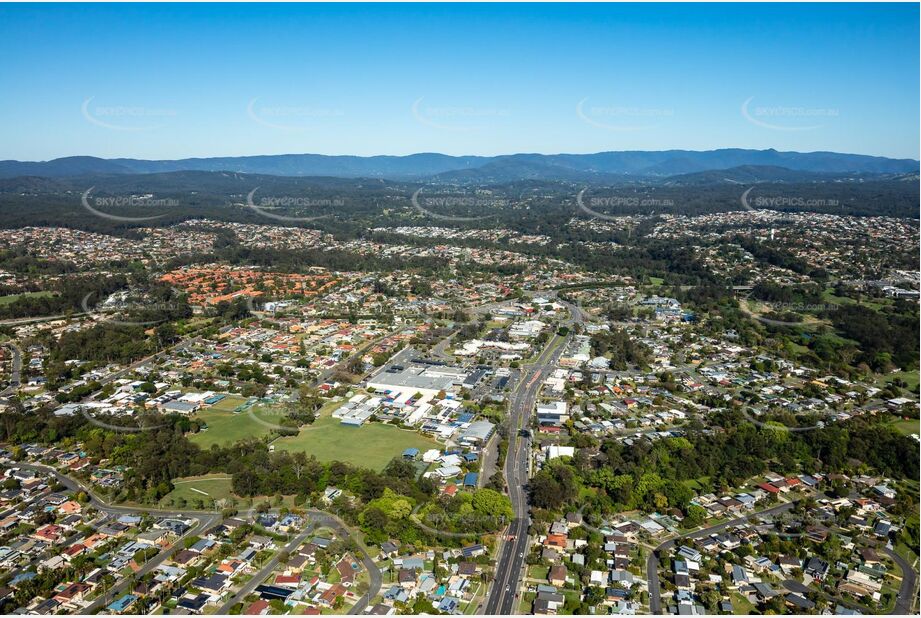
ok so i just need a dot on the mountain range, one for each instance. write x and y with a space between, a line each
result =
679 165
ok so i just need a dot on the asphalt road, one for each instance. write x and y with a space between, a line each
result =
906 597
325 374
440 350
489 460
76 485
15 369
652 563
140 362
327 519
69 540
505 586
44 318
904 600
504 592
206 520
317 518
264 572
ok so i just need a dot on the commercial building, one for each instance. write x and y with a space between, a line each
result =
552 414
403 382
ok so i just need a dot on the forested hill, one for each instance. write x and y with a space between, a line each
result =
602 165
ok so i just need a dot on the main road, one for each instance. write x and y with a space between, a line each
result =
504 592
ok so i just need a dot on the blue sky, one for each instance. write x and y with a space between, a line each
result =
171 81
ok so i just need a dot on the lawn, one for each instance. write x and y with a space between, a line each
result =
538 572
699 484
908 426
210 487
192 488
909 377
372 445
796 348
474 603
829 297
228 404
12 298
740 604
226 427
526 603
759 309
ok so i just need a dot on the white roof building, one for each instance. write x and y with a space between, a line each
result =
553 451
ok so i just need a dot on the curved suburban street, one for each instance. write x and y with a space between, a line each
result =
905 599
205 521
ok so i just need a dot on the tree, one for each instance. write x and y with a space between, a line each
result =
694 516
492 503
710 599
545 491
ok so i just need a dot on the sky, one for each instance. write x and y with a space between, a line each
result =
173 81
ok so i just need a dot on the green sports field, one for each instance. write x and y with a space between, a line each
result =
372 445
227 427
193 488
12 298
199 491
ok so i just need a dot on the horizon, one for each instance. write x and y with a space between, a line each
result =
229 80
508 154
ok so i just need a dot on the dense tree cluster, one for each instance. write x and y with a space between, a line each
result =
886 337
655 475
155 450
70 294
623 351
